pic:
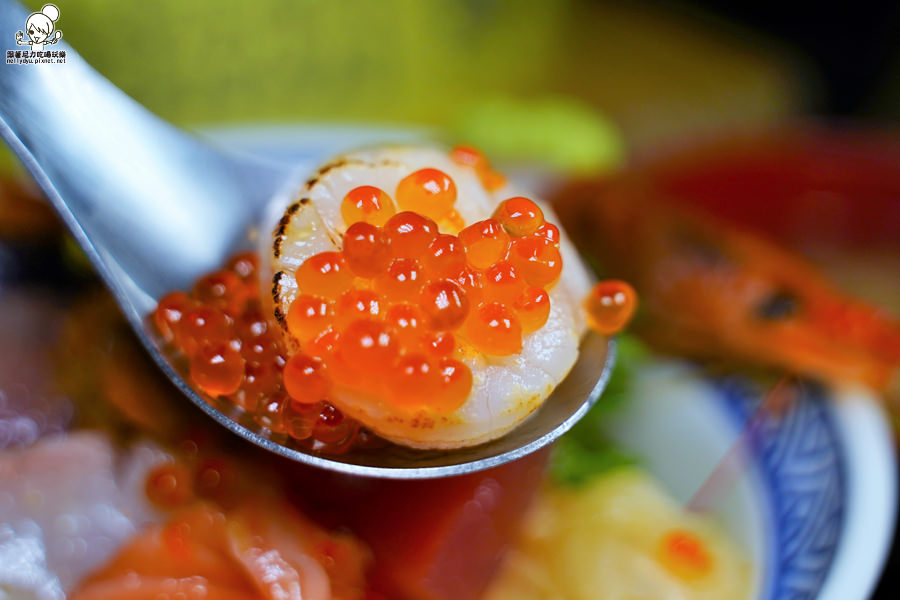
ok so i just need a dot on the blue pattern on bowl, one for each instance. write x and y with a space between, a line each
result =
798 457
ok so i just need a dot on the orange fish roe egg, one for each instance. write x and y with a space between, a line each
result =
168 313
493 329
222 289
409 234
382 319
300 419
259 379
467 156
685 555
485 242
263 348
429 192
402 281
169 486
331 427
472 157
444 303
445 256
439 343
502 283
455 220
368 204
243 343
216 479
217 369
549 232
270 413
324 274
356 304
519 216
610 306
456 384
252 322
201 325
533 308
407 321
324 346
491 179
538 261
245 266
472 282
413 381
304 379
365 250
367 346
308 317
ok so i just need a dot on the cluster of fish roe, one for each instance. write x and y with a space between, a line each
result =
391 314
232 352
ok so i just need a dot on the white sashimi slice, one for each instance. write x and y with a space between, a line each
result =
505 390
66 504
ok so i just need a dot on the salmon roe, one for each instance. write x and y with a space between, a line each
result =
168 313
488 283
324 274
309 317
495 329
685 555
445 256
533 308
539 261
217 369
368 204
445 304
304 380
519 216
409 234
421 299
610 306
220 334
391 315
549 232
472 157
169 486
485 243
429 192
365 250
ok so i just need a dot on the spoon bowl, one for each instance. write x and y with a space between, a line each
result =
154 208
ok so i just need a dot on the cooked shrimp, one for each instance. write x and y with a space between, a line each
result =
713 291
426 216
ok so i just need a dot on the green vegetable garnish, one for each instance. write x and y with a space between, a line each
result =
586 451
561 132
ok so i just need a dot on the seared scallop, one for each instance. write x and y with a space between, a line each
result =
424 296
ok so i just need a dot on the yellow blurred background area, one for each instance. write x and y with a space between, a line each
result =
655 73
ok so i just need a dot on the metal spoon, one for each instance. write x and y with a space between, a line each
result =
154 208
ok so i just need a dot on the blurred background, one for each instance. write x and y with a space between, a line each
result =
580 84
653 71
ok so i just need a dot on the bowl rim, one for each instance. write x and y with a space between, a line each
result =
870 516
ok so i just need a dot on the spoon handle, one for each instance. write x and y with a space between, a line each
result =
152 206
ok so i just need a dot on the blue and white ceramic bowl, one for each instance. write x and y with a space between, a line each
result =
812 495
815 501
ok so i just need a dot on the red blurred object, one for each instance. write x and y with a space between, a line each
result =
439 539
689 231
800 185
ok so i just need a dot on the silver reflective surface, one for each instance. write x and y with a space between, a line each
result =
154 208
